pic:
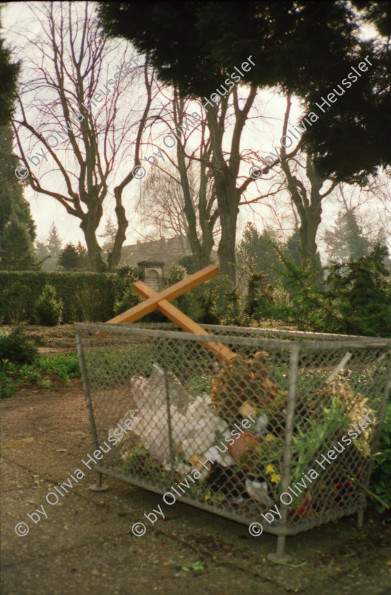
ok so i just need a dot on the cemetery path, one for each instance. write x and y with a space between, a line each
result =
85 545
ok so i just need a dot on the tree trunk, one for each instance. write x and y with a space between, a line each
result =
309 210
206 248
225 175
228 211
201 244
227 200
307 233
201 248
89 225
115 254
314 218
192 235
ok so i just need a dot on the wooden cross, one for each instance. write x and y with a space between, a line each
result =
161 302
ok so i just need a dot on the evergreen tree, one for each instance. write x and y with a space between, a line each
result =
69 258
84 263
41 251
51 249
74 258
17 228
255 252
346 241
43 256
196 45
188 262
109 233
293 248
54 242
8 77
49 252
355 299
361 291
381 239
16 247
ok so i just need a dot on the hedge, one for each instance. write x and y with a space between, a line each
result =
86 296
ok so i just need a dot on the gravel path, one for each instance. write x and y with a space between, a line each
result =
85 545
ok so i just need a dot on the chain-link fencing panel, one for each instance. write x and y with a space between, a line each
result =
283 432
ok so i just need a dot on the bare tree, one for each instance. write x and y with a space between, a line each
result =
305 187
225 168
226 132
220 157
179 198
70 65
307 198
161 206
363 219
202 213
308 190
374 206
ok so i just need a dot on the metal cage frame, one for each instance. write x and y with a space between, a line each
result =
312 351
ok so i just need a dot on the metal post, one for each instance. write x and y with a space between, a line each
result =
168 405
279 555
99 486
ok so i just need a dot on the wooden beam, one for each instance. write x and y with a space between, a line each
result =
168 294
186 323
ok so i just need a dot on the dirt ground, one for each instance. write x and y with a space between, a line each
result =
86 545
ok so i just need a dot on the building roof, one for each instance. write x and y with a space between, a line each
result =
167 251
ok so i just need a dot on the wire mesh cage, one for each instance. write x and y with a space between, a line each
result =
282 434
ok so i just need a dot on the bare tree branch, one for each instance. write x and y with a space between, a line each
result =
72 62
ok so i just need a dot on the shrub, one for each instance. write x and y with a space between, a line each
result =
221 301
48 308
125 296
307 306
66 365
355 298
14 303
188 263
17 348
15 377
361 289
259 295
88 300
67 285
214 302
175 274
184 302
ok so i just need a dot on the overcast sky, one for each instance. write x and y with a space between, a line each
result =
20 25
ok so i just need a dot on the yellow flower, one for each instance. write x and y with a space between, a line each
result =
207 495
269 437
269 469
275 478
140 444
